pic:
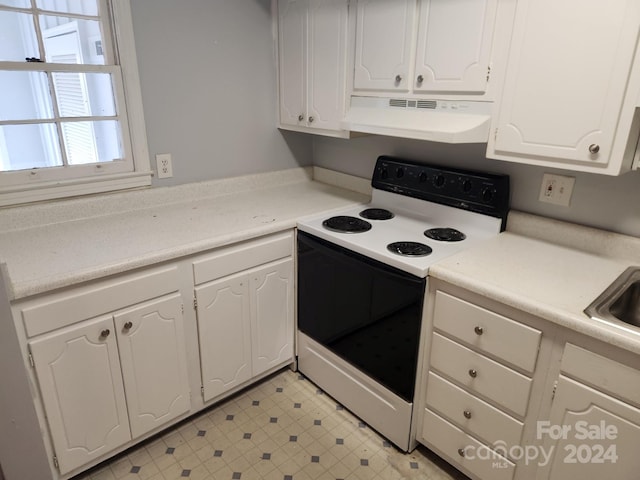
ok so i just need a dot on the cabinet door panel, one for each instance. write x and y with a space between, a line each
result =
272 315
383 44
81 385
292 25
454 45
327 62
153 358
224 331
575 457
567 73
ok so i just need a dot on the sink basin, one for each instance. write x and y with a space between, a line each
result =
620 302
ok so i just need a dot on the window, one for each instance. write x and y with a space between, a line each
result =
70 106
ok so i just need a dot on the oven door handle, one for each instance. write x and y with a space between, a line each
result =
344 254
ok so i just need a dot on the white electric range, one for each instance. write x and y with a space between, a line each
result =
362 278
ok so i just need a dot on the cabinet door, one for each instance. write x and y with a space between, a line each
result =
327 51
292 45
384 37
272 315
81 386
154 362
225 334
579 409
454 45
567 72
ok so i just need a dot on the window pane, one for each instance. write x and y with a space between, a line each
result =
83 7
24 96
29 146
16 3
69 40
17 37
92 142
84 94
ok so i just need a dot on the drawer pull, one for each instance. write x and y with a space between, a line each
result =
127 326
105 333
467 414
479 330
473 373
461 452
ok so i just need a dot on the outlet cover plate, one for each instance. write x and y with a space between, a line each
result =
164 165
556 189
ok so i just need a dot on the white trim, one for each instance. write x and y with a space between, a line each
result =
72 188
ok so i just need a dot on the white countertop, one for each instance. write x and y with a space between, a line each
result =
554 278
60 244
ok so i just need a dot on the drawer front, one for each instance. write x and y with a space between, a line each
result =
61 309
470 413
487 331
505 387
602 373
237 258
452 443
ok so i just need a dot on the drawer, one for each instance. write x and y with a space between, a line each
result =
470 413
487 331
449 441
602 373
237 258
61 309
479 374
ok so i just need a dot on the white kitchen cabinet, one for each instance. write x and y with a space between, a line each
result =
272 326
424 46
224 330
78 371
245 315
569 97
597 403
312 54
153 358
112 379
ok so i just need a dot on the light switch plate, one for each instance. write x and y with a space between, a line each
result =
556 189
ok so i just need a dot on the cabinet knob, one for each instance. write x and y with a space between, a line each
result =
594 148
398 78
128 325
300 118
467 414
311 119
473 373
420 79
461 452
105 333
479 330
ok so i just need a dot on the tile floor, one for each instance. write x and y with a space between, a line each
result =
284 428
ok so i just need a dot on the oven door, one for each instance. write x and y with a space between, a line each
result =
364 311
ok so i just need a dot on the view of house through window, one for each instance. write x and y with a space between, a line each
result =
62 112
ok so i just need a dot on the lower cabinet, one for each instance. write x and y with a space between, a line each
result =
107 380
245 324
505 395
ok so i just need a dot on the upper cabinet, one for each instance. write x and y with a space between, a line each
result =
570 93
312 50
424 46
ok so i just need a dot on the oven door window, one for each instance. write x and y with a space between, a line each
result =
362 310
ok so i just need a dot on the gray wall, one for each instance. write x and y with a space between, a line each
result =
610 203
208 78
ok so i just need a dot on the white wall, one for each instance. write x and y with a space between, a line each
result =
610 203
208 78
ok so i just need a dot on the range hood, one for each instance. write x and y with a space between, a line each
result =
444 121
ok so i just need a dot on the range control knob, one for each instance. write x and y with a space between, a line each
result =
400 172
439 180
384 173
488 194
422 177
466 185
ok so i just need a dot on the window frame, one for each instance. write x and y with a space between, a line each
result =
39 184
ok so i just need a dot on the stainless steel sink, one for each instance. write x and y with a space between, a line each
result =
620 302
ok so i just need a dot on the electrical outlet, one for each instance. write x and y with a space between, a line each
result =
556 189
163 163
